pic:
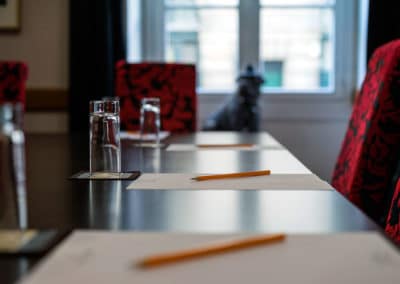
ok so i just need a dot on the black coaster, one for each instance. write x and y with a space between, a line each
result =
84 175
31 242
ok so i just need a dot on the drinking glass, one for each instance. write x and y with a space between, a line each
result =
105 145
107 99
150 121
105 197
12 162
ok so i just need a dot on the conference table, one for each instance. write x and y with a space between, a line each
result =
54 201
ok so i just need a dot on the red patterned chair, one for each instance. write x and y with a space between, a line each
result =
13 76
392 227
371 147
174 84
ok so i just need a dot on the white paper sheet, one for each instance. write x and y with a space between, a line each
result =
133 135
270 182
227 137
279 161
104 257
192 147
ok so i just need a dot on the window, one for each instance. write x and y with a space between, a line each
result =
273 73
300 33
204 32
293 43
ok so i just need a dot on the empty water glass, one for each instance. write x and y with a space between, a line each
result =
150 121
105 145
12 163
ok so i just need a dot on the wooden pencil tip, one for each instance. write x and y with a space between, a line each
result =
142 264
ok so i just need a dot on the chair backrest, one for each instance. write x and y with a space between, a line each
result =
174 84
392 226
371 147
13 76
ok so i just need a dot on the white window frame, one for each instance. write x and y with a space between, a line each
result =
325 104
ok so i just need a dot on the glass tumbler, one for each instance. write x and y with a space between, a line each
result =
12 163
150 121
104 136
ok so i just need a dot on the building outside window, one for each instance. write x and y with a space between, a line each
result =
293 43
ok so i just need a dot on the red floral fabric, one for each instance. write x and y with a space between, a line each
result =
370 150
13 76
174 84
392 227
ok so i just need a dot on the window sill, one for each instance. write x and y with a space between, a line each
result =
285 107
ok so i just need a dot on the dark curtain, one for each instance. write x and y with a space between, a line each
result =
383 23
97 41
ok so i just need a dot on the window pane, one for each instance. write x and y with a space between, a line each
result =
208 38
297 2
297 56
203 2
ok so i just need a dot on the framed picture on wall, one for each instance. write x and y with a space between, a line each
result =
10 15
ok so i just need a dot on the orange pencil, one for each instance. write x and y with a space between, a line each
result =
225 145
169 258
233 175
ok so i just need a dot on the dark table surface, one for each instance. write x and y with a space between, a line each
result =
56 202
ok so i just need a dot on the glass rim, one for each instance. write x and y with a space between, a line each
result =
110 99
12 105
106 101
104 106
6 112
150 99
12 112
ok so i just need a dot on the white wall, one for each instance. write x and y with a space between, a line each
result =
42 42
315 143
